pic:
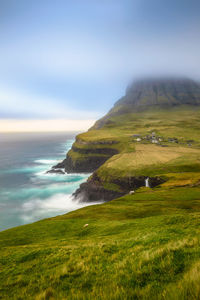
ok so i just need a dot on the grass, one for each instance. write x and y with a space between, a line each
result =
146 155
144 158
151 160
183 124
76 156
142 246
180 121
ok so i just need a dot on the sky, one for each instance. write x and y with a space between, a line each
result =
72 59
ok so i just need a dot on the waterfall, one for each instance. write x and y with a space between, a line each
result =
147 182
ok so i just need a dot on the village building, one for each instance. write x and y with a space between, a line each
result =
155 141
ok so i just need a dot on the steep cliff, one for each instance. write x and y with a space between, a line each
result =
87 156
153 131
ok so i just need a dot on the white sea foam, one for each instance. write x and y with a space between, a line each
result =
46 161
60 202
38 208
45 174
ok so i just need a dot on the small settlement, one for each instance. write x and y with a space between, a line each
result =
156 139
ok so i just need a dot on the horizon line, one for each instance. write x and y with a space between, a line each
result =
53 125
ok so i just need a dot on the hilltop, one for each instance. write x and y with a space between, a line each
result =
155 92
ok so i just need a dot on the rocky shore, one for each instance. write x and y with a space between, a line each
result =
94 190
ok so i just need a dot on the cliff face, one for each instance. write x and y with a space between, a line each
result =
94 190
86 157
162 92
153 111
85 165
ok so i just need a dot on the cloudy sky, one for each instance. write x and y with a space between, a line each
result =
72 59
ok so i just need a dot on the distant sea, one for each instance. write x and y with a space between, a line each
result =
27 193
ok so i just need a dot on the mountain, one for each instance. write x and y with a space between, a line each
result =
150 132
153 92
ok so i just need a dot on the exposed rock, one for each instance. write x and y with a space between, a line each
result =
104 142
93 190
154 92
135 182
55 171
107 151
89 164
60 165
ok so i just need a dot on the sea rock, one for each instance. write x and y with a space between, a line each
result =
55 171
60 165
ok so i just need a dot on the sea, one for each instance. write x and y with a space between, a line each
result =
27 193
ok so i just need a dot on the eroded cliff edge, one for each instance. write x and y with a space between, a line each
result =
87 156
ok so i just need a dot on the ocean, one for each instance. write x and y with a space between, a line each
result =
27 193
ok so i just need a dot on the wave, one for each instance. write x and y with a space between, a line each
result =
45 174
46 161
38 208
68 175
25 169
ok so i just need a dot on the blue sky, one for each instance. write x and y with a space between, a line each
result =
74 59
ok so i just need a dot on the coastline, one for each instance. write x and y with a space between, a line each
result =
28 194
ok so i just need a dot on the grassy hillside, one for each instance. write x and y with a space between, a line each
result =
178 151
141 246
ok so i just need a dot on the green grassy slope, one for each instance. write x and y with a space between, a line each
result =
144 158
142 246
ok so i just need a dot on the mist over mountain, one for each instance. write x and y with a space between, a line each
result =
155 92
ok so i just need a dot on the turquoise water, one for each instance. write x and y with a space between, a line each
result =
27 193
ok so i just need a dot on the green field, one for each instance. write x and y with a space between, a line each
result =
141 246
